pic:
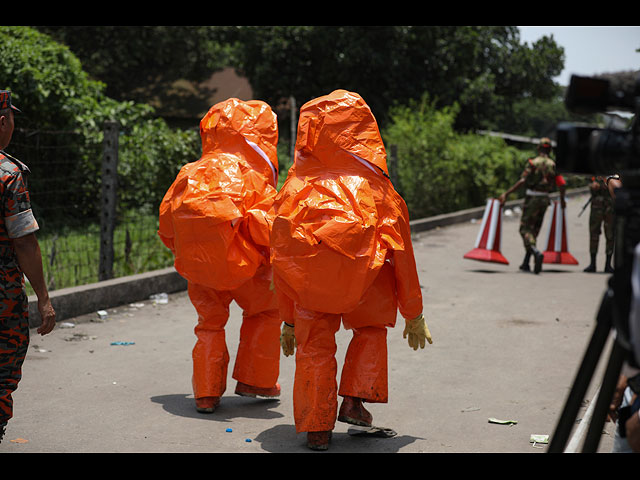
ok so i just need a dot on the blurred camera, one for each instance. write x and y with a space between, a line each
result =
586 149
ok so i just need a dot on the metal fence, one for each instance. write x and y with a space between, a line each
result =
85 236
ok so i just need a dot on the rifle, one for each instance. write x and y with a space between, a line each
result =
585 206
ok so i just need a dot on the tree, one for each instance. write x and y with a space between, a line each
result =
136 62
485 69
56 94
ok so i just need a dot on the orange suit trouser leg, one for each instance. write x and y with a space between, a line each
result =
210 355
364 374
258 358
315 403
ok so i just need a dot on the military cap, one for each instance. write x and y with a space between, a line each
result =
5 101
545 142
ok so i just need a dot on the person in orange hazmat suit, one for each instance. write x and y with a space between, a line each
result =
216 220
341 251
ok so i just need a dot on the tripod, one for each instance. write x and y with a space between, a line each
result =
613 314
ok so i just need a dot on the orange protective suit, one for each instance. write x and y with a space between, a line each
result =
341 250
216 220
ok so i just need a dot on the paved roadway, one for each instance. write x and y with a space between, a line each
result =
506 346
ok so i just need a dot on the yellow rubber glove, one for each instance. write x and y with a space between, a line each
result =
417 331
287 339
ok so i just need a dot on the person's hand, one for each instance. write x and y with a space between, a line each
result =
417 331
616 399
502 199
48 316
287 339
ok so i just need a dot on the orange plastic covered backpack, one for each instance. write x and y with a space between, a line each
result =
216 216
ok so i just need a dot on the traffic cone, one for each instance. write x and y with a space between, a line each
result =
557 249
489 241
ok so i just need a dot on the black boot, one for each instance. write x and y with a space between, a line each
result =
538 257
525 263
607 266
592 266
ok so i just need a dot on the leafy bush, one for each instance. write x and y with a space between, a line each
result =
49 85
440 170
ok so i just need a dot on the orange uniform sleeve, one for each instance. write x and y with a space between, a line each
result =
406 271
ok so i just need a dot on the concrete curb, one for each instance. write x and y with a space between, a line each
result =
74 301
84 299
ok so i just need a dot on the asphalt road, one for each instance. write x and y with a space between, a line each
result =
507 346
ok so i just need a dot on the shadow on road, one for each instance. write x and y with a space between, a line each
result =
230 407
283 438
280 438
544 270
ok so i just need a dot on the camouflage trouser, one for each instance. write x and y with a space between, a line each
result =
532 215
598 217
14 341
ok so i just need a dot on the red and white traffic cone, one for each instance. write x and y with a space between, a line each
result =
557 249
489 240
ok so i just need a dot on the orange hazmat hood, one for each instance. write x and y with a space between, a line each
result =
340 121
234 125
216 216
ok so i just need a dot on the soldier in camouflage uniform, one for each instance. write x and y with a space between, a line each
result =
539 178
601 215
19 254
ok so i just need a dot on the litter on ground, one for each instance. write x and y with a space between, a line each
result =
502 422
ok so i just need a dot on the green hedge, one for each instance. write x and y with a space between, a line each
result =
440 170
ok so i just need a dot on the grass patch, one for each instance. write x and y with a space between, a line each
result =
71 255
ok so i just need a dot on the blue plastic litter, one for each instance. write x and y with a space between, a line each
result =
248 440
123 343
228 430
